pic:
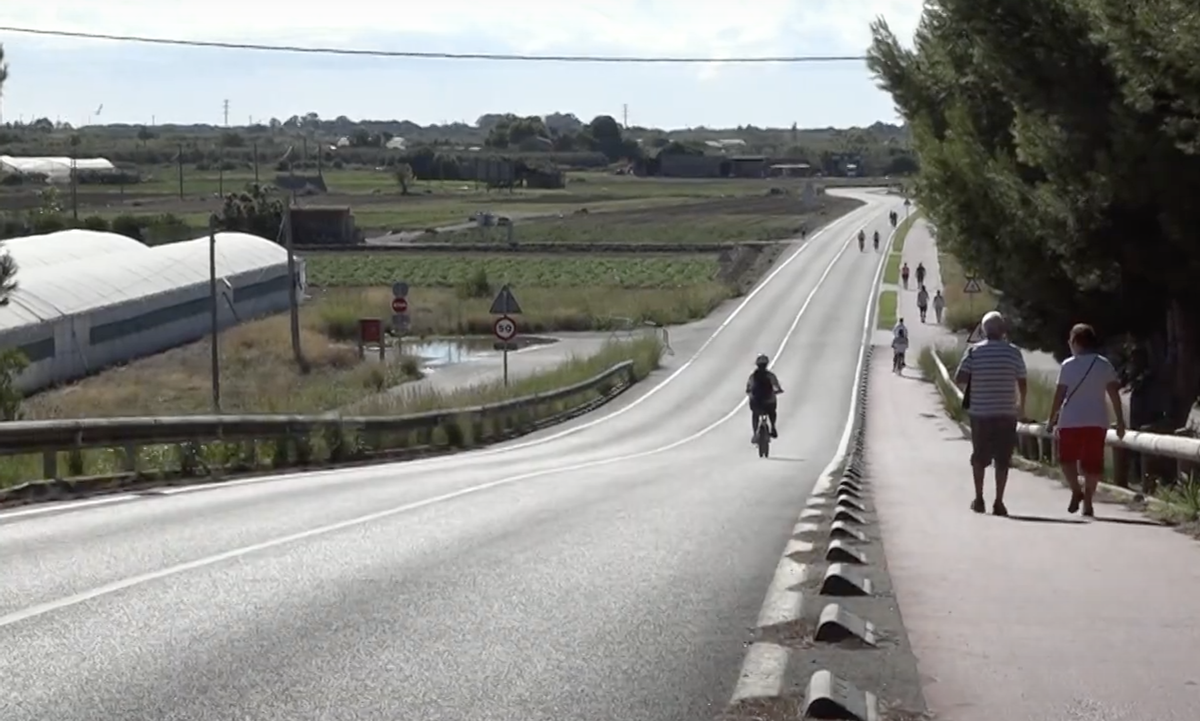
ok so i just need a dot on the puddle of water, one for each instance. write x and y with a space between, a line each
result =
437 352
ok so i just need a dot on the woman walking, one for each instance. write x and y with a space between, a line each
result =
1080 414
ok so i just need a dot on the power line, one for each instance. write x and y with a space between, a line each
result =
434 55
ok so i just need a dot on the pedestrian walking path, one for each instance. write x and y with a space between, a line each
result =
1041 615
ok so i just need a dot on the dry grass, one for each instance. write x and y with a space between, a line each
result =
258 375
644 352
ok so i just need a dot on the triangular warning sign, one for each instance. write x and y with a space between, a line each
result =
505 303
976 335
972 286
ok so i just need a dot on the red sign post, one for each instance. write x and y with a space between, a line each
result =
399 305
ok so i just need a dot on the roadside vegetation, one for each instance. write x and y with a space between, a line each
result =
199 459
1053 168
887 310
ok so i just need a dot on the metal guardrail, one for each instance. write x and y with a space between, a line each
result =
52 437
541 248
1041 445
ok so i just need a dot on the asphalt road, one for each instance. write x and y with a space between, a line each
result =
606 569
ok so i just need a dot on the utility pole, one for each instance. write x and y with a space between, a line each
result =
293 299
227 113
213 308
625 116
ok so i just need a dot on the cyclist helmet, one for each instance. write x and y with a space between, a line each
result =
762 360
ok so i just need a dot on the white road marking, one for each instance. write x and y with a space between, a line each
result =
275 477
123 584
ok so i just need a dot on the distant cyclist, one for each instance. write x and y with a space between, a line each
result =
920 274
862 240
762 387
876 241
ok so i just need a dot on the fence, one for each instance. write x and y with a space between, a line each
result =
1145 451
294 440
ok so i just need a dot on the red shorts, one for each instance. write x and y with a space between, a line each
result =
1084 446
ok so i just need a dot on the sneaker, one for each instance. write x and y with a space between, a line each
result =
977 505
998 509
1076 499
754 440
774 433
1089 511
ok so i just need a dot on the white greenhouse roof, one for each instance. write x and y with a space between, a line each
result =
53 291
52 166
38 251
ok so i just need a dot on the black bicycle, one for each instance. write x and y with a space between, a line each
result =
762 434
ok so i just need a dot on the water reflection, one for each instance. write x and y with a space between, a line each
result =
436 352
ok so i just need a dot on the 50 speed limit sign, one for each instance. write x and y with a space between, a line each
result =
505 328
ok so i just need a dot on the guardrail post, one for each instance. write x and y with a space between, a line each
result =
50 465
1121 460
130 461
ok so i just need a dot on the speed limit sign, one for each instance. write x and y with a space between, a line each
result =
505 328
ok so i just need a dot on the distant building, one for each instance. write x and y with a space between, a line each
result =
679 165
323 225
748 166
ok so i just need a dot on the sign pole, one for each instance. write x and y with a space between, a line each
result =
213 307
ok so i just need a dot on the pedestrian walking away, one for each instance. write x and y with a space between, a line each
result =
904 275
1085 382
923 302
920 274
939 305
992 376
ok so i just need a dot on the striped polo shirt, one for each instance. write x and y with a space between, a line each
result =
994 367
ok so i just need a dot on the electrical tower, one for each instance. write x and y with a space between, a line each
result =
625 116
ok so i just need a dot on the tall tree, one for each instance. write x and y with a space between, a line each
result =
1058 147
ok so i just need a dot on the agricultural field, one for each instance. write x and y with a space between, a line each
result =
772 217
332 270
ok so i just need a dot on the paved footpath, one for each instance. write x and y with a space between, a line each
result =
1037 617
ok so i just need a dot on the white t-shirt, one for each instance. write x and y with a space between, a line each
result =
1087 392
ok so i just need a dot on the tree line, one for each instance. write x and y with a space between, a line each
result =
1058 143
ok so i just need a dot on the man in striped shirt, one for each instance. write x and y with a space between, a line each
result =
992 374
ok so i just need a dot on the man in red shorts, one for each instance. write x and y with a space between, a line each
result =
1085 382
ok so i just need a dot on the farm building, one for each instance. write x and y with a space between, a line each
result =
87 300
55 169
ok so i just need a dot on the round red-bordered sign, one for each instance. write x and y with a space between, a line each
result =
505 328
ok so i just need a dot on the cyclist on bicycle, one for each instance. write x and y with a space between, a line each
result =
762 387
876 241
862 239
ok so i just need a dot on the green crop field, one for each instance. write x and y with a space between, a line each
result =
446 271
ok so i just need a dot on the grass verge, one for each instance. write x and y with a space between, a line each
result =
197 460
887 310
1180 503
891 271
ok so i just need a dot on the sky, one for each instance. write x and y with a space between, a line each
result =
69 79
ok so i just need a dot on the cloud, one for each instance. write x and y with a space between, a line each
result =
704 28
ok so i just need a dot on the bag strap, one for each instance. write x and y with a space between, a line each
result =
1080 383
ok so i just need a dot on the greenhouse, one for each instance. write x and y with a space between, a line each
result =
56 169
87 300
